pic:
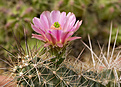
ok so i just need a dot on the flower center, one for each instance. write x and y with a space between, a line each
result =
56 26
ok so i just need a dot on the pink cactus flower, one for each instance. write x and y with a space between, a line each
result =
55 28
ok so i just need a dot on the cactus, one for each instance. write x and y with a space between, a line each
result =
36 67
108 66
52 67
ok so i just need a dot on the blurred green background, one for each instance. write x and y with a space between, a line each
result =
97 15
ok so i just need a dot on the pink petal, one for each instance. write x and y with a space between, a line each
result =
50 38
73 38
38 30
47 44
62 19
37 23
56 34
65 35
70 21
47 14
53 39
38 37
60 44
76 26
44 21
55 15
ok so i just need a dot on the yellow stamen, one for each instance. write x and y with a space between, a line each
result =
56 26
